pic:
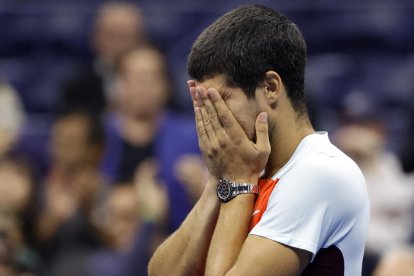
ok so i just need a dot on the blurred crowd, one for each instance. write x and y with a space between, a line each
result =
122 170
121 167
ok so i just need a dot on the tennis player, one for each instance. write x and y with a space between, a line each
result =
281 199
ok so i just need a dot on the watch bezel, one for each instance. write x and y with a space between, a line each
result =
225 184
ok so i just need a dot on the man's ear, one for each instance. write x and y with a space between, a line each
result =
273 87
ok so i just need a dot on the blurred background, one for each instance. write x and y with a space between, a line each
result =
98 152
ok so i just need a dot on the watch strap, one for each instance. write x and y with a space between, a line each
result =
245 188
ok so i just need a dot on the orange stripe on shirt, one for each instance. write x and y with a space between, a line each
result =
266 187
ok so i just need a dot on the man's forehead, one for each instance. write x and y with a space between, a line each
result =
217 82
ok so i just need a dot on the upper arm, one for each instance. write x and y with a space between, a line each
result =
262 256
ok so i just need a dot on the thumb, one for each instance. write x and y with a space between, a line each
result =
262 132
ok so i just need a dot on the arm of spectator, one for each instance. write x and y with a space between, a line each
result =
190 171
60 206
137 258
151 195
152 212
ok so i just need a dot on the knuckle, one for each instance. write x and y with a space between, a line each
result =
264 151
207 121
215 121
214 100
221 114
237 140
212 116
214 150
202 132
263 130
222 142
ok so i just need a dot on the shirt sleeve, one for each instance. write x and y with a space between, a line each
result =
308 205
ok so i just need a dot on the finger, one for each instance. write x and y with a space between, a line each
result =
213 116
191 86
149 167
193 96
191 83
201 132
201 93
230 124
262 133
198 98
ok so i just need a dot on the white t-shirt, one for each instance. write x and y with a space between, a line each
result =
317 202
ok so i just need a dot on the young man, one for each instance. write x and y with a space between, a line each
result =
308 213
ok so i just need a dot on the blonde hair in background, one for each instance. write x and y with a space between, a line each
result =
12 117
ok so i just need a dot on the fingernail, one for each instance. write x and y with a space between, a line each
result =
263 117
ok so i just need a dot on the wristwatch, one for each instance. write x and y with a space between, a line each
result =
227 190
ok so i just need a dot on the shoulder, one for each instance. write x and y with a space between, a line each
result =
325 175
323 164
320 193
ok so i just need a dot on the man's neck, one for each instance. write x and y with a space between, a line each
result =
285 138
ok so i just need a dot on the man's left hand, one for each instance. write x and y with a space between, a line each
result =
228 151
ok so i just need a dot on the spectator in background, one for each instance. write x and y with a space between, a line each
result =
143 90
396 262
10 248
391 191
133 215
191 171
12 118
118 27
17 215
141 127
17 186
64 230
6 263
407 152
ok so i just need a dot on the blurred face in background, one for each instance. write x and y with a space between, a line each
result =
70 141
143 83
15 188
121 221
361 142
118 28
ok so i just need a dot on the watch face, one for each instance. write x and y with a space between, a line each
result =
224 190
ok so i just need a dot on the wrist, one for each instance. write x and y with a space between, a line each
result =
253 179
244 198
210 189
213 179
